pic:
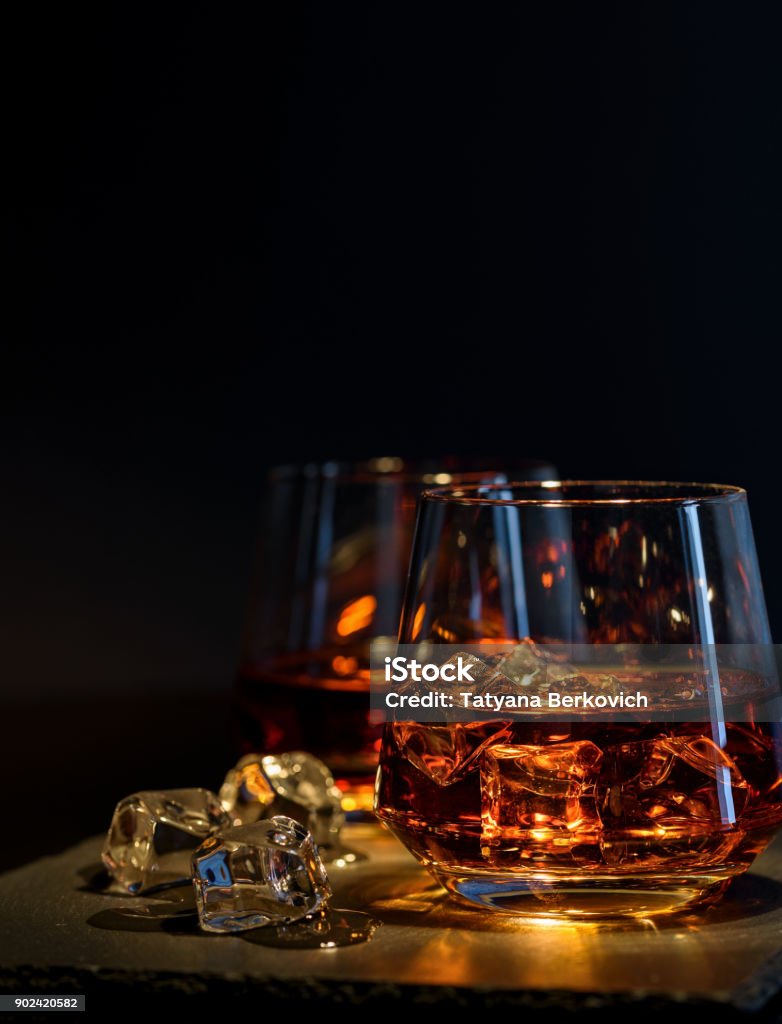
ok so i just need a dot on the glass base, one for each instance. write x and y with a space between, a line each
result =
587 897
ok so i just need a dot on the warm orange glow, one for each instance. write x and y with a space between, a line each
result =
357 615
547 579
344 666
553 554
356 797
446 634
418 621
256 785
562 572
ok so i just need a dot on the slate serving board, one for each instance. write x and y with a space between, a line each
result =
60 935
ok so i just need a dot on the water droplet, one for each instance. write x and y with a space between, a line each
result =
341 856
328 929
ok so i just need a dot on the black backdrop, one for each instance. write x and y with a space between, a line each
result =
312 230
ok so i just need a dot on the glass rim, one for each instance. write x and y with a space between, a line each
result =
397 469
690 493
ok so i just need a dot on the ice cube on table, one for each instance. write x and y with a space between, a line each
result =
539 793
153 834
249 876
296 785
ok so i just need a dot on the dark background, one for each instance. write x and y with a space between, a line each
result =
303 231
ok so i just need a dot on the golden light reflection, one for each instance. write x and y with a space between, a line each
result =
357 615
547 579
344 666
253 781
678 616
386 464
418 621
443 940
356 797
445 634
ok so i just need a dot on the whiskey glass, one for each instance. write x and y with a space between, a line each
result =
591 815
333 551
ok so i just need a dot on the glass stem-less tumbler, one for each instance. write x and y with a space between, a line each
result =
334 547
588 815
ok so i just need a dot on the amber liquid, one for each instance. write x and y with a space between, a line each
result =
573 799
314 701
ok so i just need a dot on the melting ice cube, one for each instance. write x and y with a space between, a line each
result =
295 784
269 872
667 786
703 754
538 792
153 834
446 753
